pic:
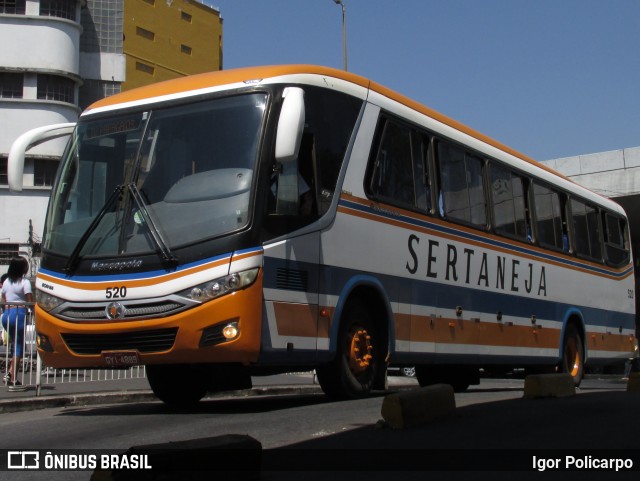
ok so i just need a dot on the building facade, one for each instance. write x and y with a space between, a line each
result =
614 174
59 56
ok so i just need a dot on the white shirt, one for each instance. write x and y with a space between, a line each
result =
16 291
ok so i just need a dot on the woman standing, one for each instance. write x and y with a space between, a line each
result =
15 289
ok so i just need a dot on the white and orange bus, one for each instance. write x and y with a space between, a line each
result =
272 219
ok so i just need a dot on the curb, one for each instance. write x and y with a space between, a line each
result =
68 400
115 397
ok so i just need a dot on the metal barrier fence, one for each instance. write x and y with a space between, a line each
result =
31 373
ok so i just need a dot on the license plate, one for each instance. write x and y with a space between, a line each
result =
121 358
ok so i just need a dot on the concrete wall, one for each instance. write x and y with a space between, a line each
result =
613 174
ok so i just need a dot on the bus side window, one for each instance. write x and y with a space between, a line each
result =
616 243
330 118
392 177
550 223
586 230
421 147
508 195
461 185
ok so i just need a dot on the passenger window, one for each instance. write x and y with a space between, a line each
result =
392 176
586 230
421 146
550 229
399 172
462 189
509 206
616 248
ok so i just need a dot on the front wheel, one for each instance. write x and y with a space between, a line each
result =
573 354
180 386
358 358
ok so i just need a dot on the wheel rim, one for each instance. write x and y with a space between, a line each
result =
572 357
359 351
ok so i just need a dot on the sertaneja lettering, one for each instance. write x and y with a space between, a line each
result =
472 268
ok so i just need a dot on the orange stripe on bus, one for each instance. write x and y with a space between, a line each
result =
296 319
453 237
97 286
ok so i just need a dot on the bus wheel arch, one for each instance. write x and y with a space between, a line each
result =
573 352
359 342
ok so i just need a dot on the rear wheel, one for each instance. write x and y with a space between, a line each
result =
358 358
180 386
573 354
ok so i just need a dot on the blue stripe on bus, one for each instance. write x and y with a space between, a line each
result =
141 275
429 294
480 238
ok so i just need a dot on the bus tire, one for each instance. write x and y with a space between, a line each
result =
180 386
572 354
353 372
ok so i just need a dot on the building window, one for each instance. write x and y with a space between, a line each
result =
8 252
143 67
44 172
15 7
185 49
144 33
4 179
150 2
11 85
185 16
58 8
53 87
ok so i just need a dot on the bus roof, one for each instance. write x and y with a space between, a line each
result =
255 75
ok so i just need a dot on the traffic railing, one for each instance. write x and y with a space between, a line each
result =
31 373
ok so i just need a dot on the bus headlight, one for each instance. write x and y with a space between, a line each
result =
221 286
46 301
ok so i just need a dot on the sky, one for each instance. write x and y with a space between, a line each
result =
549 78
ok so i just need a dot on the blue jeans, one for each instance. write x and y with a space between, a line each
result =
12 317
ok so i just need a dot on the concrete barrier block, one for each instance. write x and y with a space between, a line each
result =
549 385
412 408
633 384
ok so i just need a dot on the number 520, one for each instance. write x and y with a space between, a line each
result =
116 292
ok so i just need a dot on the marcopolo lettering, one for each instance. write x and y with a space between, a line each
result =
439 260
116 265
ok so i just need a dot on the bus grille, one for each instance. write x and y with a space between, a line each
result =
133 311
143 341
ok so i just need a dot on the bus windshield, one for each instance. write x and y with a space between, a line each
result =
182 174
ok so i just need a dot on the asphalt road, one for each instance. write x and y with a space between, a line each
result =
493 429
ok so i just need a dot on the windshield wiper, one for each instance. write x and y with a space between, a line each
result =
72 262
165 253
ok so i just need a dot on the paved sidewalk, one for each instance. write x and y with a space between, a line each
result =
72 393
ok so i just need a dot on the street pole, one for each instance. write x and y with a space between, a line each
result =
344 31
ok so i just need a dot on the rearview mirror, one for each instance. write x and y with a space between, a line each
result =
290 125
15 163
